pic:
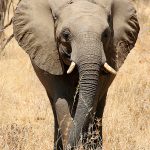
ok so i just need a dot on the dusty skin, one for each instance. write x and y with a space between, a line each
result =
26 120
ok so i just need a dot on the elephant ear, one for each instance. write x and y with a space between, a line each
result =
126 29
34 30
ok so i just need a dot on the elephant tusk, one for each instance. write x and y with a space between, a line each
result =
109 69
71 68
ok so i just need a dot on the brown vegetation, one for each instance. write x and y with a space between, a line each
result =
26 120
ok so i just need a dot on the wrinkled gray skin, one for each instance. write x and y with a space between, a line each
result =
88 32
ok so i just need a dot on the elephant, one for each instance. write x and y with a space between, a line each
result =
76 48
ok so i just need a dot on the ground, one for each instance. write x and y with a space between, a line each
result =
26 119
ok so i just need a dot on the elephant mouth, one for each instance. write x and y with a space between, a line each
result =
105 68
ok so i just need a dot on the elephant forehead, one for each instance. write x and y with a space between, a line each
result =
82 16
57 6
81 8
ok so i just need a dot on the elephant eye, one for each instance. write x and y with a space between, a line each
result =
66 35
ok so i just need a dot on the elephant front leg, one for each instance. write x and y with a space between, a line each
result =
98 121
57 135
105 82
64 119
93 140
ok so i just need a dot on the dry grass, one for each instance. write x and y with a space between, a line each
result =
126 122
26 120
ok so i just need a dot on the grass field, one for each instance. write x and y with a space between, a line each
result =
26 119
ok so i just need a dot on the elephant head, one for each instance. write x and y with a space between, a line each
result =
89 34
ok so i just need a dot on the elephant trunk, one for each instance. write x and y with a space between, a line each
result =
89 67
